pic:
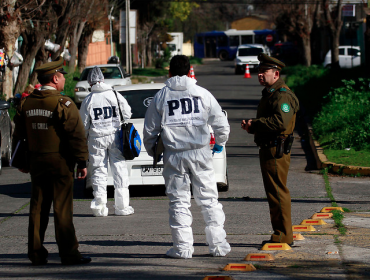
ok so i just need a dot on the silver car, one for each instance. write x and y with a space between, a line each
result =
114 75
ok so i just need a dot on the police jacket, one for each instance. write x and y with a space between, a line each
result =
276 113
99 111
51 123
182 112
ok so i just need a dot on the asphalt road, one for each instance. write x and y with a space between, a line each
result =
134 247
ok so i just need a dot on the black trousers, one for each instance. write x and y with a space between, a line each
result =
52 183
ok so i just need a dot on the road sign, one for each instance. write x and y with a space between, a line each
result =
269 38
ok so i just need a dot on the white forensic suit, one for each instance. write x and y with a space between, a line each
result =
101 118
181 112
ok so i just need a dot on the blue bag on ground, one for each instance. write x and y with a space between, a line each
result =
130 141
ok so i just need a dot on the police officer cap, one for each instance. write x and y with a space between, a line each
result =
270 62
51 67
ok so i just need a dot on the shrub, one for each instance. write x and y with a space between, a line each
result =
344 121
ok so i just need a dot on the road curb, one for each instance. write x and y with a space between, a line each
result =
323 162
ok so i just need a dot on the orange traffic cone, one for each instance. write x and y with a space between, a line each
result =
192 75
247 74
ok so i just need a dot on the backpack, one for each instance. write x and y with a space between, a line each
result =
130 141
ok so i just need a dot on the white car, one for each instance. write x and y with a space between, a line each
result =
248 54
140 170
114 75
349 56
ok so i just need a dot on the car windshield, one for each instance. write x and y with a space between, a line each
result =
108 72
139 100
250 51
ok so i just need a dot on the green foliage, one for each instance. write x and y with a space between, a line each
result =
69 86
195 60
149 72
181 10
344 121
163 61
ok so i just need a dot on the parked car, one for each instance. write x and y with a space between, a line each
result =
114 75
5 135
349 57
140 170
247 54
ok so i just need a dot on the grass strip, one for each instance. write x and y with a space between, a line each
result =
337 215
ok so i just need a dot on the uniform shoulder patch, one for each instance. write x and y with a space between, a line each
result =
272 90
282 89
65 101
285 107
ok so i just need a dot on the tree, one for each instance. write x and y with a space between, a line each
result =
295 21
35 30
14 15
334 21
95 20
82 10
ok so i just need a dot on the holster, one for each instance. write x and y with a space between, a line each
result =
288 144
280 147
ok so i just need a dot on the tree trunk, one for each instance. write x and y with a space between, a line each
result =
83 47
9 32
73 44
306 42
32 43
335 26
64 24
149 51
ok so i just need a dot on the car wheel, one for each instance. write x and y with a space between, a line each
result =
223 55
8 155
223 187
237 70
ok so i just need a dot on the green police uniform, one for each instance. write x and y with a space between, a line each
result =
276 115
56 140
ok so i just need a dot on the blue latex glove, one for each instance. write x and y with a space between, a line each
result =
217 149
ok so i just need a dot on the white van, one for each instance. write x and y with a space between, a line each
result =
247 54
349 56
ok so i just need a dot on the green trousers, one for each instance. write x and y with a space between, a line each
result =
275 174
52 182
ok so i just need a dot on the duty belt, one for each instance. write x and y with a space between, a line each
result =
267 144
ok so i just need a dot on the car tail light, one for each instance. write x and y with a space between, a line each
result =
212 142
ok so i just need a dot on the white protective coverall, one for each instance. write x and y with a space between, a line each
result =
181 112
101 118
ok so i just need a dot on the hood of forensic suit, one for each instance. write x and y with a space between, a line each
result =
180 82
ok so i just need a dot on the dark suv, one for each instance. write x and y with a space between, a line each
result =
5 135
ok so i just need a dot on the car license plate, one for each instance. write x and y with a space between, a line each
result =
251 66
148 170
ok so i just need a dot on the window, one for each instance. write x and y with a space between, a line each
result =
234 41
108 73
139 101
247 39
341 52
222 41
250 52
200 40
354 52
